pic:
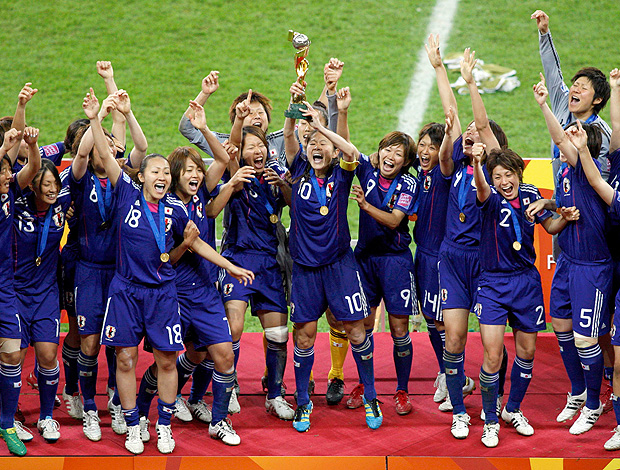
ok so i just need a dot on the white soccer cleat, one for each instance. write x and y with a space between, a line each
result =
469 386
165 441
75 408
490 434
109 392
586 420
91 427
24 434
442 391
145 435
460 426
181 411
614 441
133 442
49 429
224 432
573 405
233 404
446 405
119 426
201 411
279 407
520 422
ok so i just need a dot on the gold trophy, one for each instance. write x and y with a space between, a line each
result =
301 43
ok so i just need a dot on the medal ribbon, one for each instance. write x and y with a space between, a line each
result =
320 191
515 223
463 186
103 202
42 238
262 192
160 233
390 191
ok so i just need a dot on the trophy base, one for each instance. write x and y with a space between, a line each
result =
294 112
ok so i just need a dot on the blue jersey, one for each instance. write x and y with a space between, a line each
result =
401 194
30 246
584 239
431 209
138 259
315 239
193 268
7 203
93 219
463 215
53 152
501 222
249 212
613 235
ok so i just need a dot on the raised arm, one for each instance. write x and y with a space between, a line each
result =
483 190
390 219
480 114
19 119
140 144
349 151
553 125
291 144
242 111
446 163
105 71
12 137
331 74
343 99
443 83
209 86
614 110
27 174
91 108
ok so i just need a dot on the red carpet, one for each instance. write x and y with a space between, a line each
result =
338 431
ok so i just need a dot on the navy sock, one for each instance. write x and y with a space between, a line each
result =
616 402
275 357
48 386
489 385
116 398
303 360
520 379
110 355
185 368
164 412
437 342
222 388
403 357
146 393
455 379
592 363
200 381
88 368
571 360
362 353
70 363
502 373
609 375
10 386
132 416
236 345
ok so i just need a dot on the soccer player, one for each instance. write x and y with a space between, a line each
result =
386 197
10 326
142 296
581 287
509 287
325 273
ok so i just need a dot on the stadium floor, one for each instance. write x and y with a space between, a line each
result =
338 431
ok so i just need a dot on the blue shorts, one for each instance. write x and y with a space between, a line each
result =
391 278
266 293
337 286
615 329
91 295
39 316
135 311
459 268
66 275
427 283
10 323
581 291
203 317
616 278
516 297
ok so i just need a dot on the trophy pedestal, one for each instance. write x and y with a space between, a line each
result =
294 112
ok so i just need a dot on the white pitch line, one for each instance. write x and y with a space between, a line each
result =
423 80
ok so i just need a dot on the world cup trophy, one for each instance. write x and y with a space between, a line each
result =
301 43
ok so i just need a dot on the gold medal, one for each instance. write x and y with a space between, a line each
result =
273 218
516 246
164 257
38 261
462 217
323 210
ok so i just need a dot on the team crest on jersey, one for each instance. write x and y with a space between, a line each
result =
566 185
427 182
478 309
110 331
444 295
168 221
81 321
59 219
329 189
228 288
